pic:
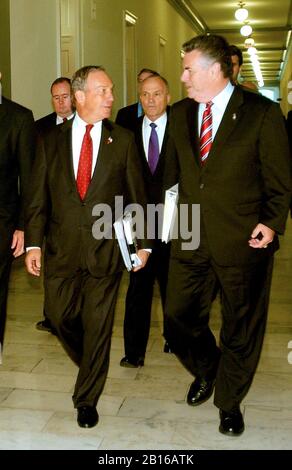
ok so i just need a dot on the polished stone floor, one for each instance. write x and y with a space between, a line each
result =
141 408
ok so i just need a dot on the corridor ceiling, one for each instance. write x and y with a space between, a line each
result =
271 22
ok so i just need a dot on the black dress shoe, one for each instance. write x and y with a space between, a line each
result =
231 422
166 348
132 363
200 391
44 325
87 416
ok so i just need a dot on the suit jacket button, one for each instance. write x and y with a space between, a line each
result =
202 186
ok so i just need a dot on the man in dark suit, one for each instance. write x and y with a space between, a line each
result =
289 128
289 132
230 156
237 61
154 97
79 170
17 147
127 117
63 111
62 104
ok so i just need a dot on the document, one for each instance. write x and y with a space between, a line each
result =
169 213
127 241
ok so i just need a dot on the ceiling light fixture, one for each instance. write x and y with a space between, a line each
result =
252 50
241 13
249 42
246 30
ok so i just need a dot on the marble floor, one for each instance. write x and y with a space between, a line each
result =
143 408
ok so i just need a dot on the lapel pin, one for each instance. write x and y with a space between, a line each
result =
234 116
109 140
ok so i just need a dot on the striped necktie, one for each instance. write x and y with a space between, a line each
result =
206 133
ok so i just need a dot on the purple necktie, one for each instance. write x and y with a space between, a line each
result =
153 149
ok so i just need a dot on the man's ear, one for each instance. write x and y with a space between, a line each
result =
79 97
215 69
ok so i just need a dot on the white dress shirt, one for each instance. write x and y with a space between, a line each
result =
220 103
60 120
160 129
78 131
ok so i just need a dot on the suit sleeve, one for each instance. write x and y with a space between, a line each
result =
276 169
25 155
137 194
171 171
37 201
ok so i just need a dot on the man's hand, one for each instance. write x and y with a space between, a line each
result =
143 255
266 237
17 244
33 261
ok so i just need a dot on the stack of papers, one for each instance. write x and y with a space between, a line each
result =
127 241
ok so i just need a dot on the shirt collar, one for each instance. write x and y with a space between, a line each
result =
60 119
161 121
221 100
80 123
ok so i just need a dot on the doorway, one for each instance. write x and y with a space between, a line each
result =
70 37
130 72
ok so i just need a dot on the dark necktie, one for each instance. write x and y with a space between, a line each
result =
64 119
153 149
206 133
85 163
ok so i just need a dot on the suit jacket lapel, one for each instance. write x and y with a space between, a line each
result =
3 112
193 131
65 154
140 146
228 123
103 155
163 148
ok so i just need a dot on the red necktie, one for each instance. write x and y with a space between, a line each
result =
85 163
64 119
206 133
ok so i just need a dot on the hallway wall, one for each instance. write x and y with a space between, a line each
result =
30 46
34 31
5 47
103 39
286 103
35 49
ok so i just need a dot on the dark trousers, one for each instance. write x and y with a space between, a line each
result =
139 300
244 303
5 267
81 310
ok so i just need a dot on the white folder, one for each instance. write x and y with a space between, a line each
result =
169 213
127 241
